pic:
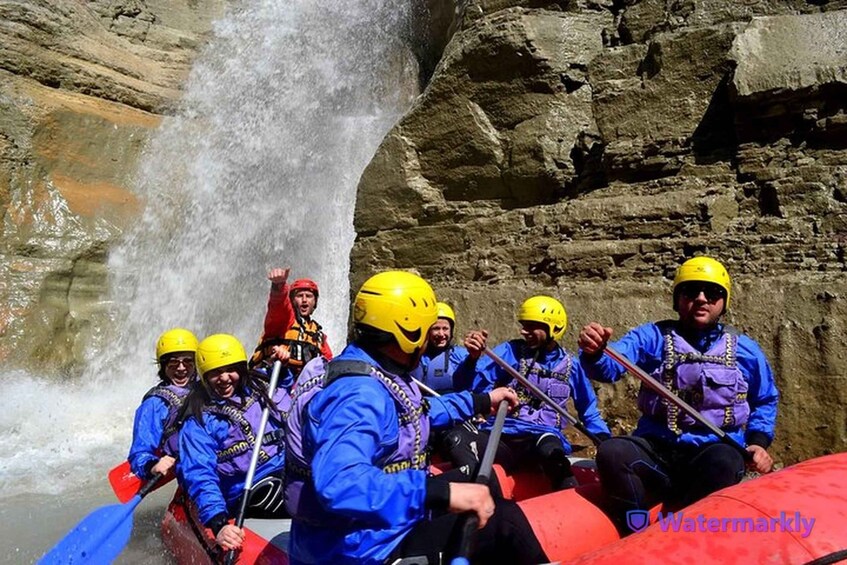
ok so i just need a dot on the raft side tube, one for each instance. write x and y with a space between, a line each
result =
182 534
755 521
569 523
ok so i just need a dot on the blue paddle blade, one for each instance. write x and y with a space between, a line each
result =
99 538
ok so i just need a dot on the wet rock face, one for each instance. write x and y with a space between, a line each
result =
579 148
584 149
82 84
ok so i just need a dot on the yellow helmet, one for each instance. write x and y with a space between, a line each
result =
546 310
399 303
703 269
219 350
444 311
174 340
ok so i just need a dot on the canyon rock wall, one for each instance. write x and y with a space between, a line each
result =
576 148
584 149
82 86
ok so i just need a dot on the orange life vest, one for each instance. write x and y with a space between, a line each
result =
303 341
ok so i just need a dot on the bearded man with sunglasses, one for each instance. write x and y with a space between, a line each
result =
722 373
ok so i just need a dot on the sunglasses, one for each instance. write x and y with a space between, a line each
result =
712 292
174 363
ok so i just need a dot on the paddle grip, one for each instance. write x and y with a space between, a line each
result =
469 522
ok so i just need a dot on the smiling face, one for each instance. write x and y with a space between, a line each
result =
534 333
700 305
179 367
440 333
304 302
223 381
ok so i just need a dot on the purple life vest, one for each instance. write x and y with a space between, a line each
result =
554 382
173 396
439 374
244 419
301 500
710 382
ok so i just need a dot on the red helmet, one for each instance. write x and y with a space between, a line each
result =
304 284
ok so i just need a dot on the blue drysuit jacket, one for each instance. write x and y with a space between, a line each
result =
437 372
147 430
213 492
643 346
349 427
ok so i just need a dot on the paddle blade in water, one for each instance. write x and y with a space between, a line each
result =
99 538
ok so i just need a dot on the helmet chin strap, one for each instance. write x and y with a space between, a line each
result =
389 357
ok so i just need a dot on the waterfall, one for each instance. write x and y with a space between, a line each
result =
256 168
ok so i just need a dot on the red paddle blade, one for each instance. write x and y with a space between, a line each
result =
125 484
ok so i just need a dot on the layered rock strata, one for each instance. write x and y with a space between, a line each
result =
82 85
583 149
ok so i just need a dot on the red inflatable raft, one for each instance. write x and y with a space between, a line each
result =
572 528
796 515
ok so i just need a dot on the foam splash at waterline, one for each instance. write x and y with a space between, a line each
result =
257 168
68 440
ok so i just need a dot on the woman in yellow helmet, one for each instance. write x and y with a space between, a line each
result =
719 371
217 440
442 356
534 432
154 433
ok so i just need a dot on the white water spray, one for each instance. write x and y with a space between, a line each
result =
257 169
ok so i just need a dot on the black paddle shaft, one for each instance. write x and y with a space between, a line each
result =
471 520
150 485
668 395
541 395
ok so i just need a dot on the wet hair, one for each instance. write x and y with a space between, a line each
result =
200 396
163 360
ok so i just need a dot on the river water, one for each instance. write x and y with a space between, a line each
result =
257 168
